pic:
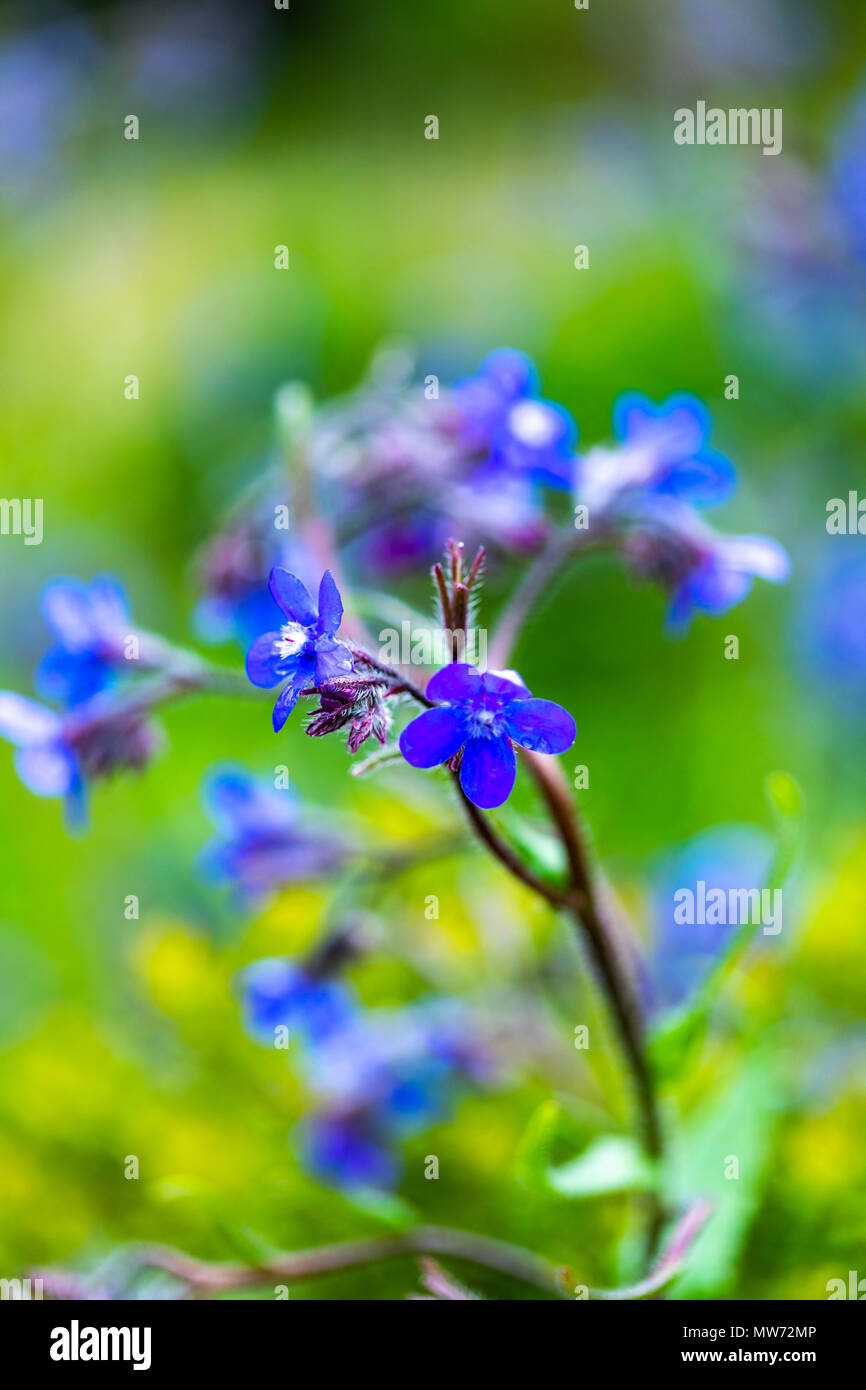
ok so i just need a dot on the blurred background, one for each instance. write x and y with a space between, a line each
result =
156 257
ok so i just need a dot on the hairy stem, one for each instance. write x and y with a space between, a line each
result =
512 1260
203 1278
580 901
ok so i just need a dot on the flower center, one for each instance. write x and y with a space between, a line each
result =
533 424
485 721
290 641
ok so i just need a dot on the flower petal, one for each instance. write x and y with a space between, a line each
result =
488 771
680 611
454 683
26 723
540 725
708 477
512 372
287 699
292 596
678 426
66 610
49 770
506 684
332 659
759 555
339 1150
715 588
330 605
71 677
239 802
433 737
109 609
264 663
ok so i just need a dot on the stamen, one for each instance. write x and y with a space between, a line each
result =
292 638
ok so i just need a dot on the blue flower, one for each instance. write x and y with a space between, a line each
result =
278 994
305 651
389 1074
501 412
376 1076
484 715
675 436
664 452
702 569
262 842
400 1064
44 759
90 623
57 752
722 573
343 1150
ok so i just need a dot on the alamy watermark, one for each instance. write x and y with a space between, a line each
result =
77 1343
20 1290
432 646
720 907
736 126
846 516
22 516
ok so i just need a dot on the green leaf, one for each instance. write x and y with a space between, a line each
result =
736 1124
608 1164
533 1151
612 1163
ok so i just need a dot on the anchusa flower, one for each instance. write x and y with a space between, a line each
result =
480 718
277 994
390 1074
377 1075
501 414
702 569
91 625
350 1151
663 451
57 753
265 839
426 454
305 652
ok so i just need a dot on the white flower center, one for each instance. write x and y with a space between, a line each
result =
531 423
292 637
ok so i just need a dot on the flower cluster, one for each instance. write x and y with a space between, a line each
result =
264 839
702 569
377 1076
481 457
645 493
475 720
503 419
94 734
